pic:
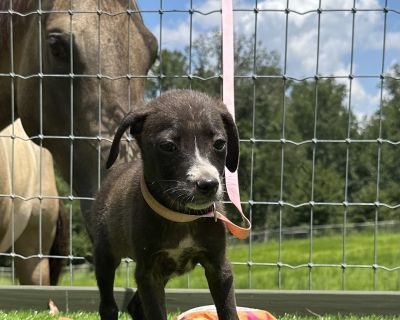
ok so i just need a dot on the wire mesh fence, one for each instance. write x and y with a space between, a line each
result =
315 87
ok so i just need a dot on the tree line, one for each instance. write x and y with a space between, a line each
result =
301 143
305 156
271 113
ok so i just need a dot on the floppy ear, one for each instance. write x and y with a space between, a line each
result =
132 120
232 156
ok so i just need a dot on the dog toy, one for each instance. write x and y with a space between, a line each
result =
210 313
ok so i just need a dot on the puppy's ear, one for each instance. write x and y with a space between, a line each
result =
232 156
132 120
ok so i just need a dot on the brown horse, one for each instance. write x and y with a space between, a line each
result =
72 76
27 171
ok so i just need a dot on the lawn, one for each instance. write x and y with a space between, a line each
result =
326 250
32 315
359 250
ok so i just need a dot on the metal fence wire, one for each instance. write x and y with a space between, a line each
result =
267 261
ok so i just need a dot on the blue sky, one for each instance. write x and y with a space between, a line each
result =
335 36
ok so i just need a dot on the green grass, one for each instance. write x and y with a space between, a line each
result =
359 249
338 317
32 315
325 250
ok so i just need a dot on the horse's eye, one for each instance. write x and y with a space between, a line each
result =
59 46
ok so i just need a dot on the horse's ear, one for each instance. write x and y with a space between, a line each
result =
132 120
232 155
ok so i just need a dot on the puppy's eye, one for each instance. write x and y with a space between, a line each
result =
167 146
59 46
219 145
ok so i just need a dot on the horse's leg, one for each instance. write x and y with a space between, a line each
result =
34 270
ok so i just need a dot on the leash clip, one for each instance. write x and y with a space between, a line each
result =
214 210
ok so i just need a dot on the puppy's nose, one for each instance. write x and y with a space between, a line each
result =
207 186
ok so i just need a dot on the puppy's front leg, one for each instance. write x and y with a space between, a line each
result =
220 281
105 266
150 288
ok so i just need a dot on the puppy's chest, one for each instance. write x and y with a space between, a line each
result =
178 259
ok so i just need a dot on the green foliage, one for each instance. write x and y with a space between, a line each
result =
284 126
44 315
80 245
171 70
270 108
385 124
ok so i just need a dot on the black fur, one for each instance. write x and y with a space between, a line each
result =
173 132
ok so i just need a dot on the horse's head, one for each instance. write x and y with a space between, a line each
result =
97 57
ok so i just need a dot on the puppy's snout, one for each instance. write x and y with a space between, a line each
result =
207 186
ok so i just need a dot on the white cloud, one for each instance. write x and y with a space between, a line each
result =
335 36
335 45
176 31
393 40
176 37
364 103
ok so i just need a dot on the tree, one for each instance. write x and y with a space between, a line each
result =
170 71
382 158
266 115
320 112
271 110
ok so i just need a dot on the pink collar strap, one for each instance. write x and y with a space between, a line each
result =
166 213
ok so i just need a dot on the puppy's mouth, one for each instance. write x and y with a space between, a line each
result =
199 209
189 202
191 206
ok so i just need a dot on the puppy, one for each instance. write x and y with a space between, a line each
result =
186 138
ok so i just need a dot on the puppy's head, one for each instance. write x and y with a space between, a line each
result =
186 139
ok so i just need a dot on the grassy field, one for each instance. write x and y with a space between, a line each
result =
326 250
359 250
31 315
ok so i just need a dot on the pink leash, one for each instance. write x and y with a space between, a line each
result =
228 96
231 179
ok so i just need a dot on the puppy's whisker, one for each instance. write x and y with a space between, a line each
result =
172 190
176 201
160 182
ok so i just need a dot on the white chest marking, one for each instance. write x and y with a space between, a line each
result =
185 244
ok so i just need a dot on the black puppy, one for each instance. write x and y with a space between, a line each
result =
186 138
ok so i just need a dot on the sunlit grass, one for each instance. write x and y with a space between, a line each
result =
326 250
34 315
